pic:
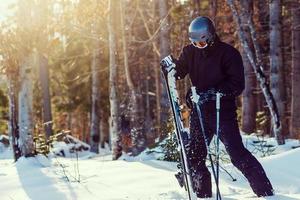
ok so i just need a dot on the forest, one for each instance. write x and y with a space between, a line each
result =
92 68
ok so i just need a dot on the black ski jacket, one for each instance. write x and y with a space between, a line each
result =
218 67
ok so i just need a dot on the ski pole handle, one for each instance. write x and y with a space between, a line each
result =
218 100
195 96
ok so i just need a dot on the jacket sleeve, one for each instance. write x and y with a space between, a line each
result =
234 82
182 64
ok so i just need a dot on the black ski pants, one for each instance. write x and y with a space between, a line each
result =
230 136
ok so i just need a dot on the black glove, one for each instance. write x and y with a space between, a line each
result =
167 64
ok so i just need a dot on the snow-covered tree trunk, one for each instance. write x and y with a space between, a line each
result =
44 80
113 99
138 137
164 51
95 115
295 107
25 118
249 99
257 65
276 63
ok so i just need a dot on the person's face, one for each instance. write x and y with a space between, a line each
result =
200 44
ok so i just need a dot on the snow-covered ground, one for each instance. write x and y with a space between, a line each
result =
143 177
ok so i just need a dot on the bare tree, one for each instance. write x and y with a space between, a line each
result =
295 107
276 62
249 99
25 103
25 96
196 4
138 137
40 21
113 99
13 114
257 65
157 75
95 111
213 5
164 51
44 80
95 72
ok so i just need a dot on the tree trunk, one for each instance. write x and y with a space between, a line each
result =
69 121
25 91
249 99
44 80
138 137
40 20
25 108
103 136
213 8
95 115
295 107
12 121
164 51
276 64
262 8
196 8
255 60
114 114
156 54
84 126
158 96
148 126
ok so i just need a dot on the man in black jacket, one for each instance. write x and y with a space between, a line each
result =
214 66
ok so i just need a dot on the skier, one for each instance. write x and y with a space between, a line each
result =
214 66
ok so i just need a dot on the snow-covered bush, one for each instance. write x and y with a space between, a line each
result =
67 145
4 142
169 148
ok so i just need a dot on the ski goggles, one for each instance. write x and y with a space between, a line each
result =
200 44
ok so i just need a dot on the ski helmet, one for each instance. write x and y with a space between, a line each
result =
202 32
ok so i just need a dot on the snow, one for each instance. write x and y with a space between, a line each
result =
4 136
5 153
142 177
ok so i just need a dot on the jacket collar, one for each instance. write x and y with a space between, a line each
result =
210 49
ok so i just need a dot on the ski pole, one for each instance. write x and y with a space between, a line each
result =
218 98
206 140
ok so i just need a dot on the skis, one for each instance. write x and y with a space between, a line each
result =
168 69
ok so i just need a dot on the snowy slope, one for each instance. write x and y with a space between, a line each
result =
146 179
284 171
